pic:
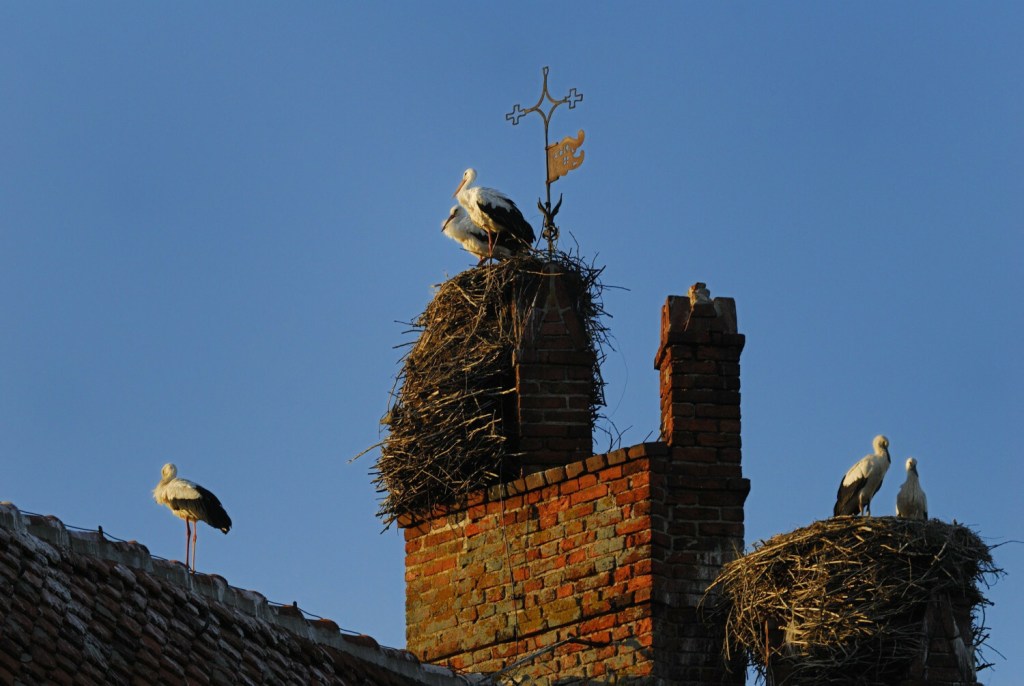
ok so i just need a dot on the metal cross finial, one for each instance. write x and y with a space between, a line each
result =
561 153
574 98
515 115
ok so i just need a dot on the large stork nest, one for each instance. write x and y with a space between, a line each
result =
842 600
452 422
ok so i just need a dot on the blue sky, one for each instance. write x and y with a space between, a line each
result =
212 217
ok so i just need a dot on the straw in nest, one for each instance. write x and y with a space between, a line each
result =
845 596
452 423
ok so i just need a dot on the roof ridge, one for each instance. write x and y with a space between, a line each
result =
47 534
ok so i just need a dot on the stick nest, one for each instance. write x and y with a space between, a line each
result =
452 423
842 600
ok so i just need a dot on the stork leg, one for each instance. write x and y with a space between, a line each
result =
188 540
195 536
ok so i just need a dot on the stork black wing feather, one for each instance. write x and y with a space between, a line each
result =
206 508
215 513
846 498
512 219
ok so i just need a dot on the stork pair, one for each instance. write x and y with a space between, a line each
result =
862 481
486 222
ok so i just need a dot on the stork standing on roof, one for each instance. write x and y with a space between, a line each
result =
191 502
493 212
863 480
911 502
459 227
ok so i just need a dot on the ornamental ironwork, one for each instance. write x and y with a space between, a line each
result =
560 158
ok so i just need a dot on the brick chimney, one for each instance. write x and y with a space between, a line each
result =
699 363
593 568
555 383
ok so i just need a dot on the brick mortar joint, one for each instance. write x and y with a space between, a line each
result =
695 340
519 487
497 642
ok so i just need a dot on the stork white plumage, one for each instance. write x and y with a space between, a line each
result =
191 502
863 480
493 212
460 228
911 502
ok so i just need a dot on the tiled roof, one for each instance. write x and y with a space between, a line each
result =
76 608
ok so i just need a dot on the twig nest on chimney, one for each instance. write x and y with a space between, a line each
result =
452 424
854 600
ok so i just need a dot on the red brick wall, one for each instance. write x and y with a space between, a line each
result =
563 552
554 379
615 549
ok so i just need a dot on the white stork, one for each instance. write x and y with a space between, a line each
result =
459 227
863 480
191 502
493 212
911 502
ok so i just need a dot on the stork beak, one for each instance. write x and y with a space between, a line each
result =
461 184
446 222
